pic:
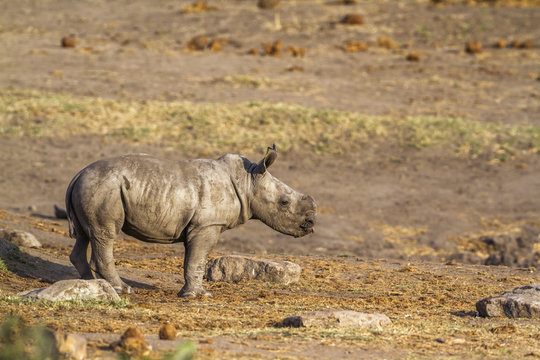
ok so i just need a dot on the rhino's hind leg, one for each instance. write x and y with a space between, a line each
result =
78 256
102 262
198 245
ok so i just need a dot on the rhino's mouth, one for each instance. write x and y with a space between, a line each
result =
308 226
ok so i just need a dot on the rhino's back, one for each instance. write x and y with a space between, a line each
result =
156 198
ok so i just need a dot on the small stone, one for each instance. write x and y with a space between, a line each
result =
198 7
527 44
522 302
236 268
387 43
132 343
253 51
167 332
500 44
295 68
353 19
339 318
413 57
296 51
355 46
70 346
68 42
473 47
98 289
273 49
268 4
198 43
20 238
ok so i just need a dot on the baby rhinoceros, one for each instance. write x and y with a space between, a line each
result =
165 201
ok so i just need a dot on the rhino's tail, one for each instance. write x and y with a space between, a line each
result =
73 221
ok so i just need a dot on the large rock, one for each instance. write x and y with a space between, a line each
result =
20 238
523 301
339 318
74 289
235 268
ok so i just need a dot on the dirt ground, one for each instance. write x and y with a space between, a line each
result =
397 204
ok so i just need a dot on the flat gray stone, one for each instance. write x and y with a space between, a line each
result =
523 301
339 318
236 268
20 238
98 289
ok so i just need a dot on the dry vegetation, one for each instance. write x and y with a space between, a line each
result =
431 306
207 128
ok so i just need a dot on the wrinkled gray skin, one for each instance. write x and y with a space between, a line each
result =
164 201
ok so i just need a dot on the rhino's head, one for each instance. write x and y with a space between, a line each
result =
277 204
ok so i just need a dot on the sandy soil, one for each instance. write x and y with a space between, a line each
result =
397 204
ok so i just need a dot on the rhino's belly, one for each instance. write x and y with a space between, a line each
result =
153 235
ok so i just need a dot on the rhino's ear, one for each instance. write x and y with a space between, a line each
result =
269 158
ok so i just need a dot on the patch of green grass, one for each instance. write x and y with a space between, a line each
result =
206 129
20 341
3 266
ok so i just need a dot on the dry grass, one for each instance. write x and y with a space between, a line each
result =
431 306
205 129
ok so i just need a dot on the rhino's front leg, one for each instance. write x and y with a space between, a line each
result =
198 244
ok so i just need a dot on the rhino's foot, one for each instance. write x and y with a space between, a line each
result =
192 293
123 289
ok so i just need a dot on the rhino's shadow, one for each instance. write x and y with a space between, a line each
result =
48 268
34 264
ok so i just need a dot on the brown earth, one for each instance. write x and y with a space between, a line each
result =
427 207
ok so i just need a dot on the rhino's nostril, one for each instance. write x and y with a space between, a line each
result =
308 223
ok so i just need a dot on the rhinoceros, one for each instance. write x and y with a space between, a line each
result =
165 201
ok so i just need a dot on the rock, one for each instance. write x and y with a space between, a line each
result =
20 238
273 49
352 19
355 46
296 51
236 268
97 289
253 51
268 4
70 346
519 44
198 43
68 42
413 57
387 43
339 318
132 343
523 301
198 7
167 332
500 44
59 212
473 47
512 249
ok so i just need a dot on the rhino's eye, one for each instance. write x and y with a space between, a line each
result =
284 202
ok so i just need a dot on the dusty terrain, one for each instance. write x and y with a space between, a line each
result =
385 202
